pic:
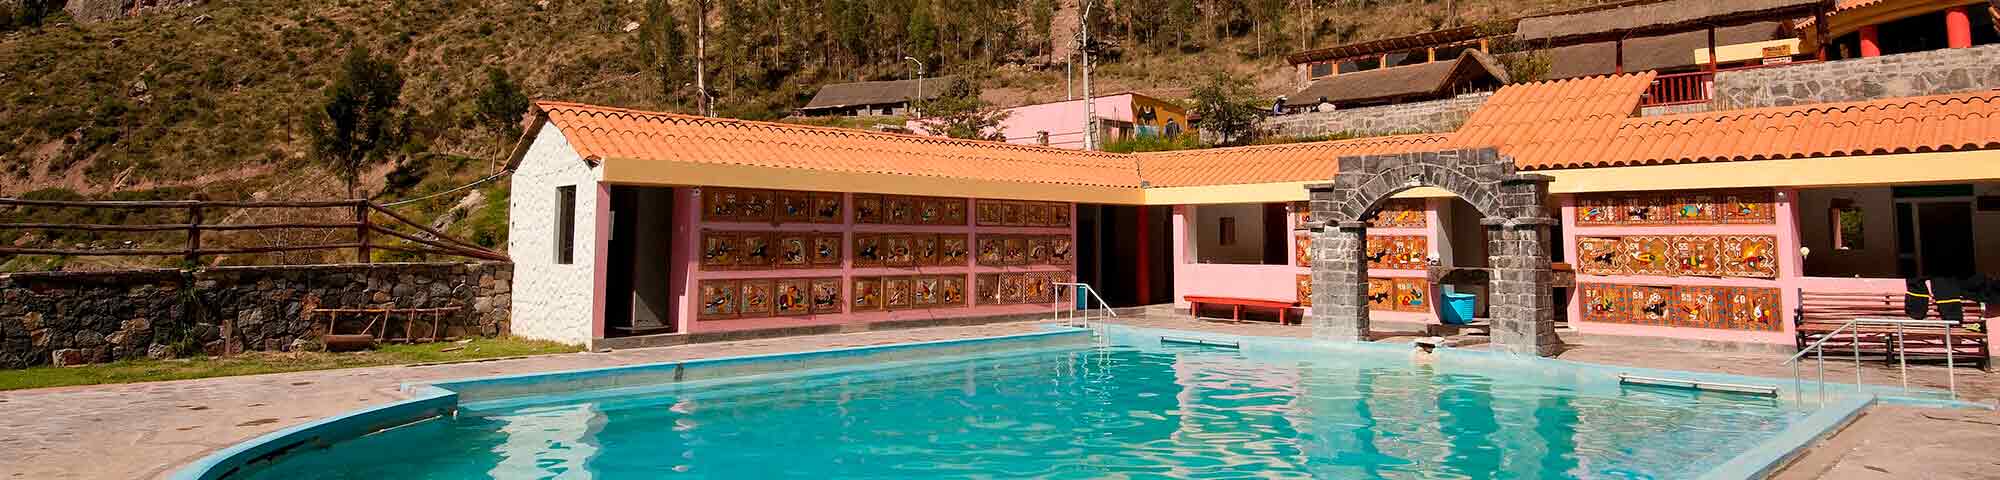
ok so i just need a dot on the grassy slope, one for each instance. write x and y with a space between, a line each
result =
267 362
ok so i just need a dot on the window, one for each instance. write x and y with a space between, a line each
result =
566 224
1361 64
1321 69
1228 231
1399 59
1847 222
1042 138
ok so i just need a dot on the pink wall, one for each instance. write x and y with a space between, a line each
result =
1275 282
1063 120
688 226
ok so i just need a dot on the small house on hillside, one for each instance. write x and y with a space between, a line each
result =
888 97
1120 116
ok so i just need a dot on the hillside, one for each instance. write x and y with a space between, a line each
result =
215 97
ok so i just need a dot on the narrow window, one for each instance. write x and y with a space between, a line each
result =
566 224
1228 231
1846 221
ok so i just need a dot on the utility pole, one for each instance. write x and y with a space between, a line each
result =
915 103
701 58
1089 103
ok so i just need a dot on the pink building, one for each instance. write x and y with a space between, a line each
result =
1060 124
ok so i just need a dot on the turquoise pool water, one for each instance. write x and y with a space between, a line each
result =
1160 411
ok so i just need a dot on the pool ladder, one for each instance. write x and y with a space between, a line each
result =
1079 312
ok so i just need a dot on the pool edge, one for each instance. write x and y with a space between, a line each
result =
1773 455
434 399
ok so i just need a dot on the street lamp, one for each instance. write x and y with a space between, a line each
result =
920 86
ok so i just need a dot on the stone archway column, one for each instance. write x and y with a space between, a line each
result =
1340 282
1523 305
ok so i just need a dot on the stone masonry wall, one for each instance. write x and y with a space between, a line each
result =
1952 70
68 318
1434 116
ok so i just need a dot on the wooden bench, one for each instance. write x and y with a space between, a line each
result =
1820 313
1284 308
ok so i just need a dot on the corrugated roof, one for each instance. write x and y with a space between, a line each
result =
1426 79
1295 162
616 134
1657 17
1968 121
876 93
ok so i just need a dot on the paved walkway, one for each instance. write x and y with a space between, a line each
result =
147 430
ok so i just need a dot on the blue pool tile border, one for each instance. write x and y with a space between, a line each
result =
432 400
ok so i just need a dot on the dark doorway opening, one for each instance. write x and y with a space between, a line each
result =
1125 253
638 278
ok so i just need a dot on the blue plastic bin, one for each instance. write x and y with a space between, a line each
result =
1457 308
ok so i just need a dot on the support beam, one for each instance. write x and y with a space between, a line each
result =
1871 45
1711 49
1143 286
1957 27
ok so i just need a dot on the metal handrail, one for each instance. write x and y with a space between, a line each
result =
1903 355
1057 305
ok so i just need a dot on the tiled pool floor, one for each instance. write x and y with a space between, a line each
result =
147 430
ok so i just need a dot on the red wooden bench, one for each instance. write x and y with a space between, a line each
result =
1820 313
1284 307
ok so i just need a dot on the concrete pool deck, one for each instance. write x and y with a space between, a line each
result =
148 430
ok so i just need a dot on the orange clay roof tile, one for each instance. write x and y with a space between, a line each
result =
1576 123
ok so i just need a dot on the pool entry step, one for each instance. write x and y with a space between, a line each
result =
1761 390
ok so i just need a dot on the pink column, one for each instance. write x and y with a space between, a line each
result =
1957 28
1870 46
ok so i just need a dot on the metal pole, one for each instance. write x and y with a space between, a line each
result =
1820 355
1089 103
920 87
1950 365
1903 357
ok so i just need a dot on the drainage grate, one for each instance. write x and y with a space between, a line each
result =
1760 390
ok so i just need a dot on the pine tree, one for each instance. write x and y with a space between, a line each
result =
664 47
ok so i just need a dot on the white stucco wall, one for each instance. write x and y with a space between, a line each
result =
552 301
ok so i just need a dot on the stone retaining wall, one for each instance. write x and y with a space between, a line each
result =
1436 116
1936 72
67 318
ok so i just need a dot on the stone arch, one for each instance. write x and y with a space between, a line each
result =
1517 236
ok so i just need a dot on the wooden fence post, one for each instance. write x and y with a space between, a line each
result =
193 257
361 230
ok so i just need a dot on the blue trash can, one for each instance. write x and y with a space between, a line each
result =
1458 308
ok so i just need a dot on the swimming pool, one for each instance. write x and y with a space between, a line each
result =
1135 408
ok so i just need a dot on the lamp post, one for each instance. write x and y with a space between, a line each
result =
1089 104
920 86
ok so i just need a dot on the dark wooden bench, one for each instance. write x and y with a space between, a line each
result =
1820 313
1237 304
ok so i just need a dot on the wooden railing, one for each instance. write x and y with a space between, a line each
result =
1679 89
363 228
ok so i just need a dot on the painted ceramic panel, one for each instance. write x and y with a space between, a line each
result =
756 298
951 291
1699 307
1302 249
794 251
826 250
867 293
926 246
1597 210
1412 295
1038 288
1038 250
952 250
1011 288
867 208
757 206
1753 309
1015 250
1381 294
1301 213
1604 303
898 251
923 291
1749 207
826 207
992 250
896 292
794 207
1034 214
792 297
718 299
1750 256
1413 252
757 251
867 250
900 210
1401 213
986 289
1648 255
1648 209
1652 305
1600 256
1378 252
954 212
826 295
930 211
1061 250
1303 286
1010 214
1695 255
986 213
1061 216
719 250
720 204
1694 208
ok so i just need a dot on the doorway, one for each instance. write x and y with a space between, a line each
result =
1935 237
638 298
1125 253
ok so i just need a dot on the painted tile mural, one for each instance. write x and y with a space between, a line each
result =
1381 293
1688 306
1400 213
1303 285
1677 208
1744 256
1398 252
1412 295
